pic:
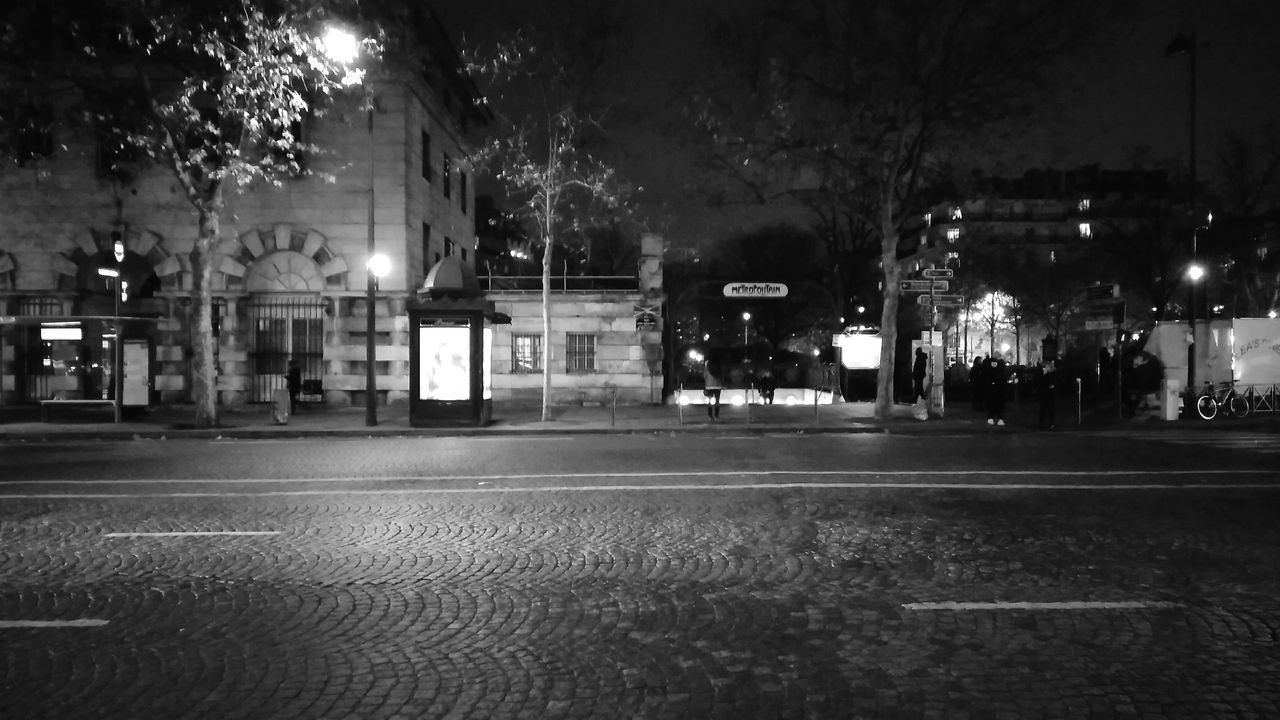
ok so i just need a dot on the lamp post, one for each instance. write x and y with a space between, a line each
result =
746 319
117 350
343 48
1194 273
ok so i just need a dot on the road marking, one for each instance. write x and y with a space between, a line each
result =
1069 605
658 474
663 487
86 622
190 534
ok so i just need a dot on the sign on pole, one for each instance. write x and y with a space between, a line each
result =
938 273
941 300
940 286
916 285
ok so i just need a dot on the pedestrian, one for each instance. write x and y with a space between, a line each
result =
767 385
711 387
993 375
293 381
1047 391
977 387
919 369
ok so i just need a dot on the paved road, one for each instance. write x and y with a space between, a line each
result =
1054 576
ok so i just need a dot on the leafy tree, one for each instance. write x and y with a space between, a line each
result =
867 98
541 145
208 90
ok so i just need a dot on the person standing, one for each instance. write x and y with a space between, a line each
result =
293 382
711 387
977 388
1047 390
993 375
919 369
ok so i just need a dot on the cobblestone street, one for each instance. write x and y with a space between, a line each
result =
406 600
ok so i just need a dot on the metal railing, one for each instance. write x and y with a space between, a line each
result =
560 283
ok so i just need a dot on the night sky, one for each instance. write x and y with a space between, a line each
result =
1128 101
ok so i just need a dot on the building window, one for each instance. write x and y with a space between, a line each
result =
953 234
928 219
956 214
580 353
464 255
462 190
1085 230
446 175
448 247
426 156
426 249
1083 205
526 354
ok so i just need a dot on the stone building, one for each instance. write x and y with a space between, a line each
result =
290 280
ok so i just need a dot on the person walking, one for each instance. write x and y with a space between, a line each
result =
993 376
919 369
711 387
1047 391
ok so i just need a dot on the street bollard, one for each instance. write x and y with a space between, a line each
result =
679 405
746 393
613 411
1079 403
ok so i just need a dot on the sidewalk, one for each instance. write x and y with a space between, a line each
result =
23 425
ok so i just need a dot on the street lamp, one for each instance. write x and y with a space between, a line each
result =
746 318
117 354
1194 273
343 48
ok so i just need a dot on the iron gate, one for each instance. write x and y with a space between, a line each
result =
284 329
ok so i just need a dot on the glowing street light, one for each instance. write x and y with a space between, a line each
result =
344 49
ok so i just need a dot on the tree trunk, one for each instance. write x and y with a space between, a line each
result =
546 318
888 317
204 379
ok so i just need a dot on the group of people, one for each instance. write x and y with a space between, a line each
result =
988 381
713 385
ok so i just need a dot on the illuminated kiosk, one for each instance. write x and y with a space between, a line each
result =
450 348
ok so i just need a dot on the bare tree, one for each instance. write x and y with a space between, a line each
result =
540 147
869 97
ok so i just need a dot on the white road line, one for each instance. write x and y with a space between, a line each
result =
1070 605
86 622
701 487
199 533
1208 472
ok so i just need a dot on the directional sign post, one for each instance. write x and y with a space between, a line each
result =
938 273
941 300
917 285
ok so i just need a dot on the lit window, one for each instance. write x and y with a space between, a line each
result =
580 353
953 234
928 219
526 354
956 214
1083 205
1053 256
1085 230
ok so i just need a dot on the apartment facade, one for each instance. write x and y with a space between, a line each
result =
289 280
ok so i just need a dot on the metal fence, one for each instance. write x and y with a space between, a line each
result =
284 330
560 283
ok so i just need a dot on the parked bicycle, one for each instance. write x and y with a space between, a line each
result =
1215 398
